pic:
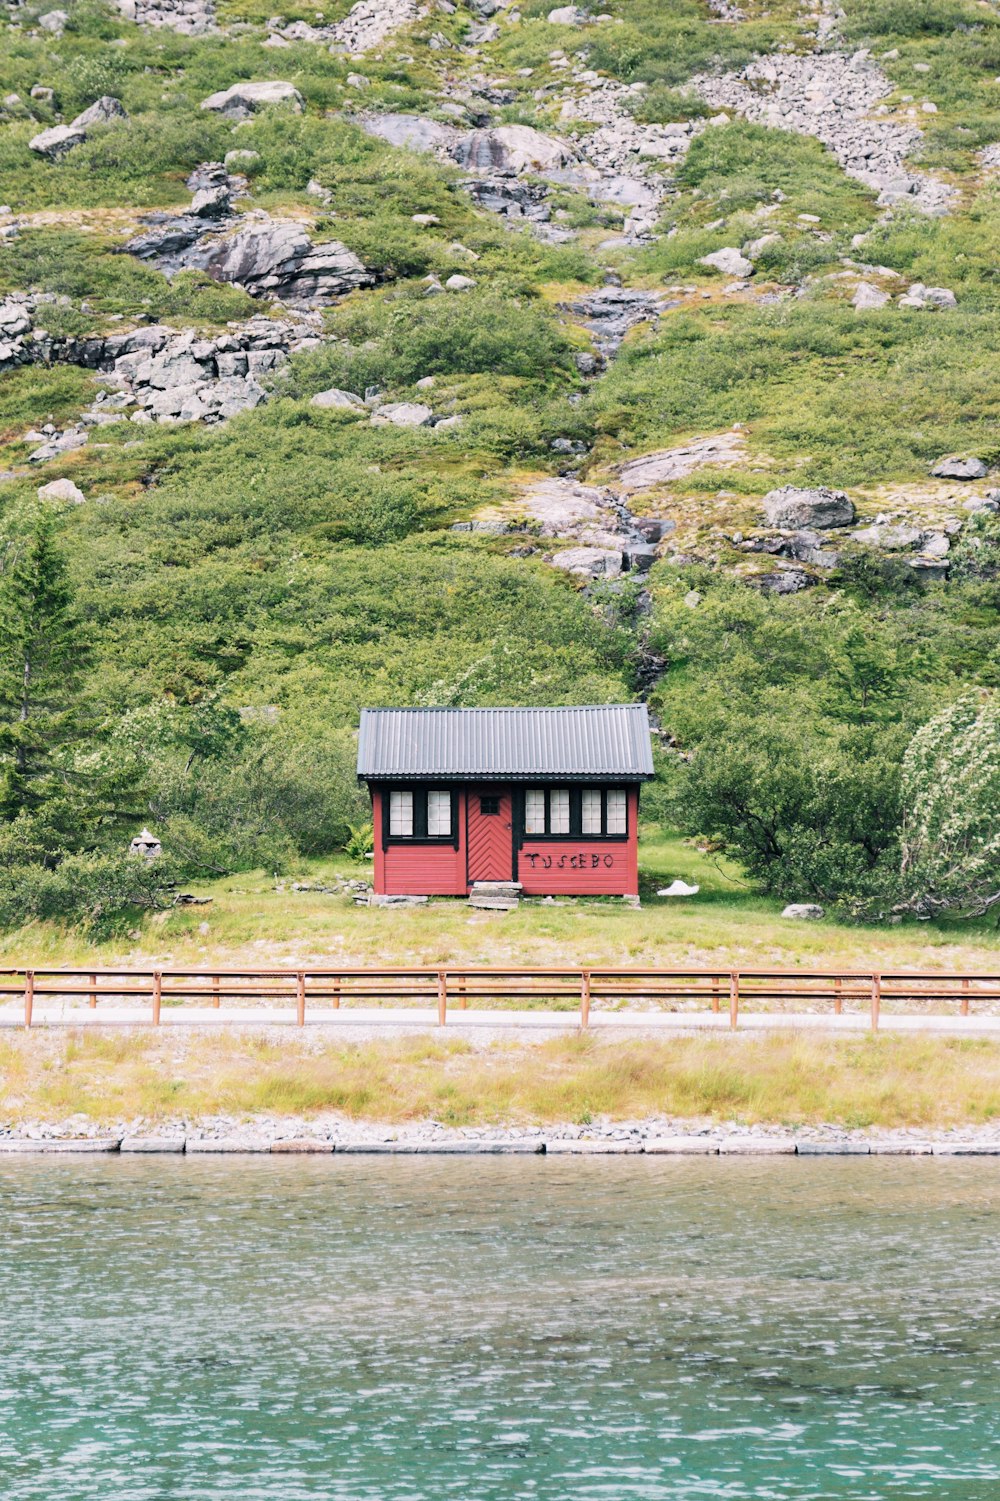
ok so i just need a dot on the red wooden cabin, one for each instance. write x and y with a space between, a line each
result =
545 797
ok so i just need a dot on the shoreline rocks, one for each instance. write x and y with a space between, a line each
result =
658 1136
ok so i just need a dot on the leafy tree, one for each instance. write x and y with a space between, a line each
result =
951 794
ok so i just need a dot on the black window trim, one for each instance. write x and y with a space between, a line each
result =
576 833
420 834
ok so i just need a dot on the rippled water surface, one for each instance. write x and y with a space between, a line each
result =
419 1329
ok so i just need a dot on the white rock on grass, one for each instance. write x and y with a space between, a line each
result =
335 398
678 888
730 261
402 414
61 489
804 911
459 283
241 100
867 297
566 15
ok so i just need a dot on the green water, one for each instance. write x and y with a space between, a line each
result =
553 1330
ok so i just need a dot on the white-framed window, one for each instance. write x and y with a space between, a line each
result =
559 810
534 811
617 820
590 811
438 814
400 815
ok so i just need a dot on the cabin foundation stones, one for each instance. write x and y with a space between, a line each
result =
495 896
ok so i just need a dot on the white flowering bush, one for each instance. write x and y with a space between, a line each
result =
951 800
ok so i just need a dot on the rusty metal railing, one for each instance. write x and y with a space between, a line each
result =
562 989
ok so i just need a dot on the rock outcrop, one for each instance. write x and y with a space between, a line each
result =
266 257
156 373
818 508
56 141
512 148
241 100
670 464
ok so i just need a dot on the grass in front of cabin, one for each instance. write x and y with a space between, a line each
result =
790 1080
260 920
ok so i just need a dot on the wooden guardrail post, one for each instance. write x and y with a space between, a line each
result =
734 999
215 991
442 997
300 999
92 998
965 996
336 992
715 993
157 996
463 999
29 995
585 998
838 996
876 1000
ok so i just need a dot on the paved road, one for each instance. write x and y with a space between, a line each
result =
373 1021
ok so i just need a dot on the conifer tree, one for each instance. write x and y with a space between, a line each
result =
42 654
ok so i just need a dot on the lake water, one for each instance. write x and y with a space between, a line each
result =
554 1330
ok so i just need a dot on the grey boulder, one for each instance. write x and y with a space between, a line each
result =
241 100
335 398
804 911
101 112
889 538
956 467
589 562
269 258
402 414
812 508
57 141
729 261
868 298
61 489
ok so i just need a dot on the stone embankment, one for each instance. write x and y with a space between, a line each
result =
655 1137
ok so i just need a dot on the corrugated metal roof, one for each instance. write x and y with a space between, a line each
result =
599 740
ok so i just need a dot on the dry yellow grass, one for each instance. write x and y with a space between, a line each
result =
789 1079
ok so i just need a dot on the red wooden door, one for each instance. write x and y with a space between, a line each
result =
491 845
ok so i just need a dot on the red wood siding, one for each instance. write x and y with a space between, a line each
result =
424 870
490 838
418 869
582 867
557 867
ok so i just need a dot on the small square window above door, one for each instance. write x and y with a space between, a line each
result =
490 806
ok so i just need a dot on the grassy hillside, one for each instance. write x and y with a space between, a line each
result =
227 596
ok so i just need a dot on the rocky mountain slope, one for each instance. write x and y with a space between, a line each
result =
439 352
